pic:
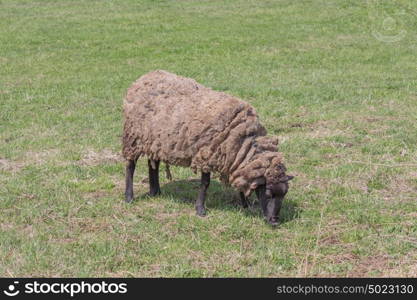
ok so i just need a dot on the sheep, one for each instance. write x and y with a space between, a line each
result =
180 122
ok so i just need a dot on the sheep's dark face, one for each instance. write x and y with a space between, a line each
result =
271 197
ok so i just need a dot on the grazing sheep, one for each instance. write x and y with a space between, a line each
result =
180 122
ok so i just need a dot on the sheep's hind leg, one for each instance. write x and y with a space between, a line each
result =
130 170
154 188
243 200
199 206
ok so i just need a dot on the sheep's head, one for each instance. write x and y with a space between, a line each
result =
266 175
272 193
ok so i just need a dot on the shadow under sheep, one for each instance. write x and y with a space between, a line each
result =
221 197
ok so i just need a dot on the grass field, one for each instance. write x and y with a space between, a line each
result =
336 81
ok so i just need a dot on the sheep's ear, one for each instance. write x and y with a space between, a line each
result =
287 178
253 186
248 192
257 182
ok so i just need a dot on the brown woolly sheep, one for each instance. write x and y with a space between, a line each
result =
180 122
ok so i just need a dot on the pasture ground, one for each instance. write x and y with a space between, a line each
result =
335 80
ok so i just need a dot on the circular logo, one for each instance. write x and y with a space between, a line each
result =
387 21
11 289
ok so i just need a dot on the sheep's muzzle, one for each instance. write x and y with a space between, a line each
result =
271 205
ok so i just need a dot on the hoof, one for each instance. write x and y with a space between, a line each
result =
154 193
129 199
273 222
201 211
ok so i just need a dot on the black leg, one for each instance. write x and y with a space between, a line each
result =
130 170
199 205
168 172
154 188
243 200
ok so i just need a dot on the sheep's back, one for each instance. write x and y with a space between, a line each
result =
179 121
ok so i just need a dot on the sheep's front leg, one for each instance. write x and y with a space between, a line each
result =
199 205
130 170
154 188
243 200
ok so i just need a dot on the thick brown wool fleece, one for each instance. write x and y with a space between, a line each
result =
180 122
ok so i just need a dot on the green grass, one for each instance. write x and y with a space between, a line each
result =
342 100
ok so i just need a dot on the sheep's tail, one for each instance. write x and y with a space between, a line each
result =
168 172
